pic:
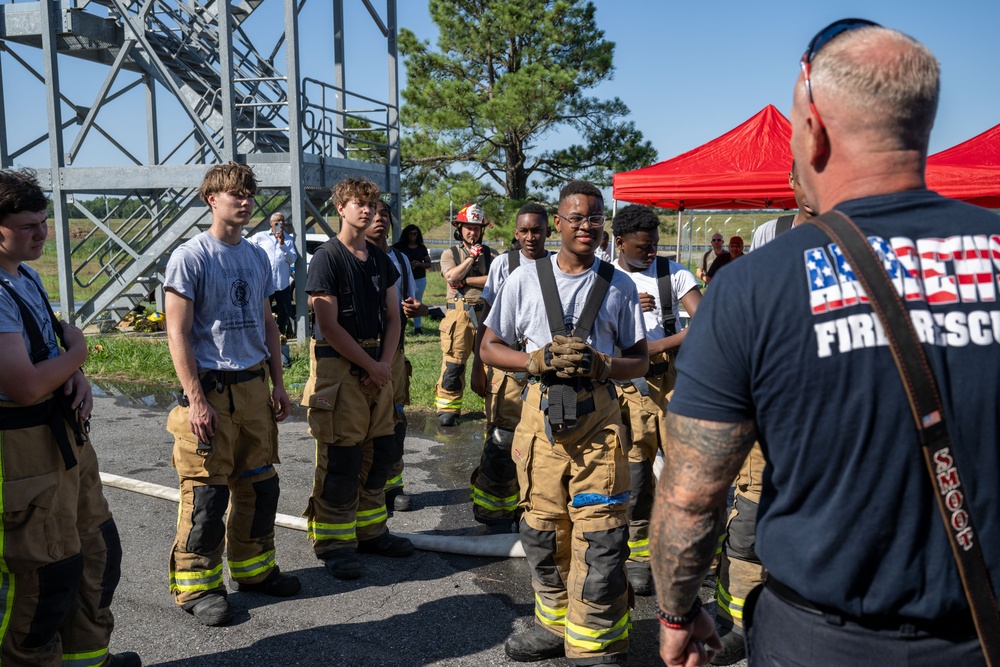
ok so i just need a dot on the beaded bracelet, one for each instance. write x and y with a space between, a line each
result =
678 622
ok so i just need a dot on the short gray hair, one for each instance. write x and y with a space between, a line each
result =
894 91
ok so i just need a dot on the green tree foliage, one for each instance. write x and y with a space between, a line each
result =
506 75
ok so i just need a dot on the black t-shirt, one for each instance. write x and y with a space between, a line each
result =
417 254
785 336
361 315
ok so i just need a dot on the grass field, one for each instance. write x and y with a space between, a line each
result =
140 358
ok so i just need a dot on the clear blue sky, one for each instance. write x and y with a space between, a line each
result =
689 71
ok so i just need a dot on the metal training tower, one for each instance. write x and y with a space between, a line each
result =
215 85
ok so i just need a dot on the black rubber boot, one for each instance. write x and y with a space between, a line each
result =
641 578
210 610
733 647
387 544
446 419
343 563
123 659
276 585
533 645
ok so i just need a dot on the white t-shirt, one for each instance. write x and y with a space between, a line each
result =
518 310
645 281
499 270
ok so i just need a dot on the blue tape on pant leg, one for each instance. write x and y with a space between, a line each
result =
585 499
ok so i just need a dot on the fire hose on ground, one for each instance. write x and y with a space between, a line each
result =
496 546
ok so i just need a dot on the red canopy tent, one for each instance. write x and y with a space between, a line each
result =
969 171
746 167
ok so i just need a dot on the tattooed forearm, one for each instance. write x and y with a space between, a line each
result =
700 461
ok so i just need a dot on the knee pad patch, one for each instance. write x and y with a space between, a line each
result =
266 493
383 458
340 485
207 526
498 466
607 551
451 379
540 550
58 584
112 564
641 500
740 541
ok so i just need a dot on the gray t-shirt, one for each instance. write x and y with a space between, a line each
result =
763 234
31 292
519 312
499 270
228 285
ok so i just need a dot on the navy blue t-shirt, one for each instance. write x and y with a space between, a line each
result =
785 336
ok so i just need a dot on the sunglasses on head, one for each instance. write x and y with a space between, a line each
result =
822 38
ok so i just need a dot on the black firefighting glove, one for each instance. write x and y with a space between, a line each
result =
579 359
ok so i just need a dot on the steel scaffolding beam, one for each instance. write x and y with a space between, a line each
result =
198 64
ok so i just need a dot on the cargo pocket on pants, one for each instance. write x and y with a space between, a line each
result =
190 464
31 534
322 403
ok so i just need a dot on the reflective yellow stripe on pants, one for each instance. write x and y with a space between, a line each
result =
597 640
491 502
394 482
639 548
729 603
447 404
549 616
245 569
85 659
343 532
372 516
188 582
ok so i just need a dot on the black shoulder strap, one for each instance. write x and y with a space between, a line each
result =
925 403
455 255
39 347
783 224
404 274
513 260
666 289
605 272
550 297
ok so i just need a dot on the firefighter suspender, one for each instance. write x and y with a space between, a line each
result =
513 260
562 408
666 289
783 224
56 411
404 261
482 270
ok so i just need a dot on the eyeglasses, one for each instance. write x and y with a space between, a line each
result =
822 38
716 240
576 221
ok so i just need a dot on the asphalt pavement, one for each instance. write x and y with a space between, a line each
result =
429 609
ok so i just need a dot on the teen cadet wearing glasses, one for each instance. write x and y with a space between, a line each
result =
569 446
860 571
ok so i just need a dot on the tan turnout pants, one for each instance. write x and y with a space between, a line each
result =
574 492
494 488
740 570
60 557
229 497
457 338
353 428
